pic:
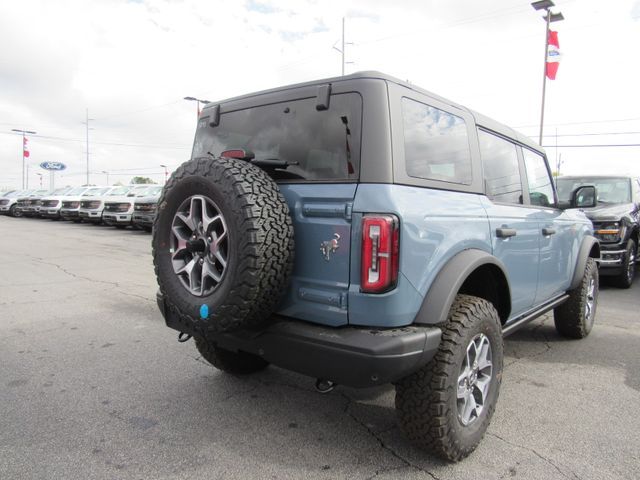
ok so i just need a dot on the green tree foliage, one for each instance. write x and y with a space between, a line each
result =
141 180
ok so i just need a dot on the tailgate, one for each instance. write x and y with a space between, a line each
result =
322 222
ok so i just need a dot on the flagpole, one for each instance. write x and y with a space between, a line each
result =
550 17
23 136
23 132
544 73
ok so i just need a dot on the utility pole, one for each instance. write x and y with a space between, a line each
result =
341 50
23 132
549 17
87 130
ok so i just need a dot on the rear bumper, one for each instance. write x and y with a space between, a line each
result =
353 356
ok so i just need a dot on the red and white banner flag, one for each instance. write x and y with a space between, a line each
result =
25 148
553 55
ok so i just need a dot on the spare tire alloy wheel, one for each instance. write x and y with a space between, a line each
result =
199 245
222 246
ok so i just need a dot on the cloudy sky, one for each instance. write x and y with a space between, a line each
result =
130 63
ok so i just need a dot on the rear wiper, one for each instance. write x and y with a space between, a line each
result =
272 162
249 156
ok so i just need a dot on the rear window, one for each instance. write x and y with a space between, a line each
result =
316 145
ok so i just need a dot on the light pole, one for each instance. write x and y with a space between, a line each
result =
23 132
166 173
200 101
107 173
548 18
86 123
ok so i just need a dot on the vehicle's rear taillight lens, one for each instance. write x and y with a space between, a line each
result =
380 253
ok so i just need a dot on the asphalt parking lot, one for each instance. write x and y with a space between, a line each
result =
93 385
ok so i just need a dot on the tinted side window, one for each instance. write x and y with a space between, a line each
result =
317 145
540 183
436 144
500 166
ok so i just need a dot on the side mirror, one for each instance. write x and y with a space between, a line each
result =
584 197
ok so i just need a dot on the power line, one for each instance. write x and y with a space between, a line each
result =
581 123
590 146
80 140
133 112
550 135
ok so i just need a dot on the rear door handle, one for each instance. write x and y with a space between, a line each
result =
548 231
505 232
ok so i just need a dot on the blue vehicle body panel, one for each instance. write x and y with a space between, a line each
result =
434 226
520 253
319 287
559 252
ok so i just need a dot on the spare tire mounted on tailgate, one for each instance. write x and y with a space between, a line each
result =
222 244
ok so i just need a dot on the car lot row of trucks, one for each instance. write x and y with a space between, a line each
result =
119 206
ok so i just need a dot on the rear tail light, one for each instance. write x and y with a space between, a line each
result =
380 253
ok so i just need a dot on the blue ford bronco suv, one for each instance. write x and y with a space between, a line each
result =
363 231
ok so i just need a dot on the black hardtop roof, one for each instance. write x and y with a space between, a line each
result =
480 119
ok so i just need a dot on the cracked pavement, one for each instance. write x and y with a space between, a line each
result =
94 386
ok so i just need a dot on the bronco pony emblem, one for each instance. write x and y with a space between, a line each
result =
329 246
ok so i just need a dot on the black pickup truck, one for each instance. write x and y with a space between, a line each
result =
616 221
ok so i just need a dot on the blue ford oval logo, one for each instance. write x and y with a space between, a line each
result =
53 165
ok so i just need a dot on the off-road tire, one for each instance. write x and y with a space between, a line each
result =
571 317
426 401
625 279
260 244
236 363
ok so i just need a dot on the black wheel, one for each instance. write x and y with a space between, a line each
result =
237 363
446 406
625 279
575 317
222 244
147 229
14 212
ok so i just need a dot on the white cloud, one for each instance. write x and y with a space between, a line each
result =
131 63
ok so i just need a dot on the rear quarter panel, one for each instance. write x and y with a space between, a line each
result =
435 225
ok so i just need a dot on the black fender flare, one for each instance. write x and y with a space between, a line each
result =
584 253
438 300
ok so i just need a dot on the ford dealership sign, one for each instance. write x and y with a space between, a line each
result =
53 165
